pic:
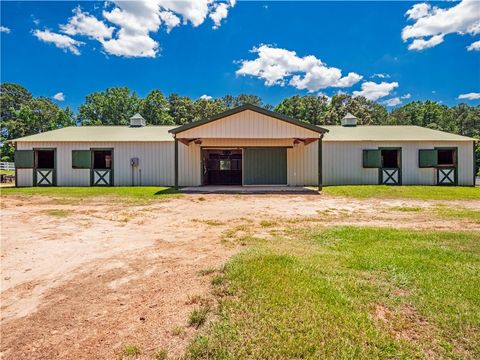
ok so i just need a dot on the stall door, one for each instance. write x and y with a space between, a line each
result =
390 172
102 167
265 166
44 169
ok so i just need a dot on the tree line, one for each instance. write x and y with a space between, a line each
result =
22 114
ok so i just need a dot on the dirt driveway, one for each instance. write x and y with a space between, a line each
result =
82 279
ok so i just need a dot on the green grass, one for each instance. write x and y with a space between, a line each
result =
7 172
459 213
136 192
198 316
130 351
407 208
349 293
405 192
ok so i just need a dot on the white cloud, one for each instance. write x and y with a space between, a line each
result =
469 96
380 76
418 11
169 19
431 24
475 46
219 13
134 22
393 101
420 44
206 97
59 96
278 66
373 91
321 94
406 96
4 29
82 23
60 41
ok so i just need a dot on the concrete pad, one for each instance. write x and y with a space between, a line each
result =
229 189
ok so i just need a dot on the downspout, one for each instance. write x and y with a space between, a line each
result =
320 163
176 162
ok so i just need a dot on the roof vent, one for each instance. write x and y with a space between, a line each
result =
137 120
349 120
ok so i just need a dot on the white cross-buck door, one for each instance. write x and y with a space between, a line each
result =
446 176
390 176
45 177
102 177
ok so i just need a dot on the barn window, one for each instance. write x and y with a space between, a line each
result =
446 157
45 159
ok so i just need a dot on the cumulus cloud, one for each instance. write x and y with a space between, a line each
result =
206 97
134 23
373 91
61 41
393 101
469 96
82 23
59 96
406 96
432 24
4 29
475 46
277 66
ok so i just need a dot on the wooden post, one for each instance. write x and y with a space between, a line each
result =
320 175
176 163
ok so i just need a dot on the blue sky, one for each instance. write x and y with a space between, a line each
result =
195 59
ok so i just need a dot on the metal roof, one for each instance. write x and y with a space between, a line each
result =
104 134
163 133
388 133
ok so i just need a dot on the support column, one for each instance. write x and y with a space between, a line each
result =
320 173
176 163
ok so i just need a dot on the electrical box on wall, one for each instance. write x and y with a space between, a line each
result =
134 162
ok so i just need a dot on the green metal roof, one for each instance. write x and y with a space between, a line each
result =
103 133
388 133
163 133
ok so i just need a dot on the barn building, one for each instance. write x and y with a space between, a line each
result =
244 146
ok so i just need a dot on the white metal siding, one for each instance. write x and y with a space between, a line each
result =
343 163
156 163
247 125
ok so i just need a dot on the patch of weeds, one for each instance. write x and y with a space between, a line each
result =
201 198
161 354
214 222
207 271
268 223
179 331
59 212
198 316
217 280
407 208
130 350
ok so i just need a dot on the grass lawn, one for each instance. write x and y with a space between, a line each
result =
405 192
356 293
136 192
7 172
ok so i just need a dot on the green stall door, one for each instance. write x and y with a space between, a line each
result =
427 158
372 158
81 159
265 166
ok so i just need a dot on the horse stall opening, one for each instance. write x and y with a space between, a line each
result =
222 166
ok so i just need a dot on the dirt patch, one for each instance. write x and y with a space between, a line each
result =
83 279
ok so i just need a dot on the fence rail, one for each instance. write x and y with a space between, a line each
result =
7 165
